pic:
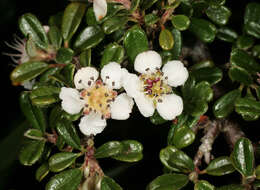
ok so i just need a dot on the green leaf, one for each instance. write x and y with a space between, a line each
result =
64 55
242 59
134 5
242 157
31 152
176 160
257 172
108 183
227 34
88 38
248 108
151 19
147 4
256 51
183 137
55 20
180 22
85 58
55 37
30 25
256 184
210 74
240 75
112 53
61 161
71 19
245 42
27 71
69 134
135 42
55 116
42 172
113 24
34 134
219 15
131 152
66 180
217 2
253 28
68 73
252 19
45 95
156 119
166 40
203 29
203 185
45 77
220 166
232 187
33 114
168 182
177 47
226 104
202 64
109 149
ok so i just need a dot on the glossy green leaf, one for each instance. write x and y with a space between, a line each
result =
226 104
55 37
242 157
177 47
113 24
34 134
30 25
248 108
64 55
252 19
88 38
203 185
245 42
257 172
55 116
31 49
112 53
203 29
168 182
69 134
156 119
68 73
220 15
70 117
45 95
166 40
45 77
42 172
227 34
151 19
220 166
147 4
176 160
183 137
131 152
61 161
242 59
232 187
31 152
199 8
135 42
180 22
108 183
66 180
33 114
256 51
256 184
240 75
109 149
217 2
56 19
134 5
210 74
202 64
85 58
71 19
27 71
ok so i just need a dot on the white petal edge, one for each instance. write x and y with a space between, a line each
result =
132 85
122 107
145 105
85 77
71 101
92 124
147 61
170 107
111 75
176 72
100 9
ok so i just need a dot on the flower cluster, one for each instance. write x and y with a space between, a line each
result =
95 96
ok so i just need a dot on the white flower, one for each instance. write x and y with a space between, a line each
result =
100 9
153 88
97 98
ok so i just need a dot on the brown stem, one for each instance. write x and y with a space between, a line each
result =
166 15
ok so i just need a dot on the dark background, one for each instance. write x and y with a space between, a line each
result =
129 176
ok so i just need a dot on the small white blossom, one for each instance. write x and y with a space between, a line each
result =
97 98
100 9
153 88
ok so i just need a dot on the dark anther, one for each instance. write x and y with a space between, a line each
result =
89 83
80 81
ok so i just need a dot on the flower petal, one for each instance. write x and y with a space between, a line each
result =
85 77
145 105
100 9
111 75
147 61
71 101
132 85
92 124
176 72
122 107
170 107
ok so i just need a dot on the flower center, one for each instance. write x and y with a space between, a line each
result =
155 85
98 98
